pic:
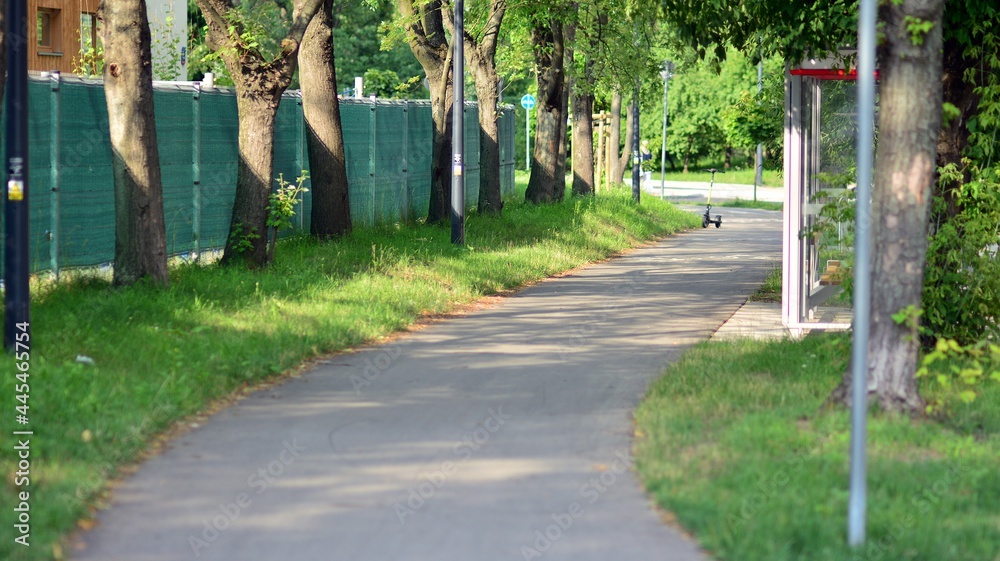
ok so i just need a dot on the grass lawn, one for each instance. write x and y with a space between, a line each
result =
772 178
732 203
162 355
733 441
749 203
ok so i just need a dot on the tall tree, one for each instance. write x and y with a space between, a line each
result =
581 85
331 212
425 32
480 54
140 232
260 78
620 162
909 123
548 43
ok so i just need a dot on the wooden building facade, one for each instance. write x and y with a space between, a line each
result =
63 28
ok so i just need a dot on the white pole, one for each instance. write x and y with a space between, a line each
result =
856 505
527 139
759 163
663 140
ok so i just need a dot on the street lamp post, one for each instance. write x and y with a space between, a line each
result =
636 155
457 132
665 74
759 163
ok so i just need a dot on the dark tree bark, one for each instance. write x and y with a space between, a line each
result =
583 122
954 137
140 231
259 84
618 163
547 39
559 190
3 47
425 33
909 125
331 211
480 54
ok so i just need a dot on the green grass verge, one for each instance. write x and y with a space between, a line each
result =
733 442
770 291
772 178
749 203
161 355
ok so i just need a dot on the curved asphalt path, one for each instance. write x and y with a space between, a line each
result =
501 435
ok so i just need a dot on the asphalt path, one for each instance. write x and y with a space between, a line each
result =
504 434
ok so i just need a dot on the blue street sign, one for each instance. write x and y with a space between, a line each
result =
528 101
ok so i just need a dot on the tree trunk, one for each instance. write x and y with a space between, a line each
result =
442 113
620 162
559 190
481 58
248 228
140 232
909 124
954 137
583 121
547 39
615 172
583 142
259 84
331 211
489 139
425 34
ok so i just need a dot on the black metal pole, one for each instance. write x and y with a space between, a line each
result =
457 132
16 308
637 157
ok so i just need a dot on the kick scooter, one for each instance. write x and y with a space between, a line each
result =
707 218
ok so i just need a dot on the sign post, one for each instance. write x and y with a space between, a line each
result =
16 303
528 102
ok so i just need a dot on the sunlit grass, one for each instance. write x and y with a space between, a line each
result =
734 442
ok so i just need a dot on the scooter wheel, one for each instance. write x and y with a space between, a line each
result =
718 224
704 223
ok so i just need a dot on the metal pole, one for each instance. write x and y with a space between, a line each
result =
856 505
16 267
527 139
457 132
759 164
663 142
55 174
636 156
196 173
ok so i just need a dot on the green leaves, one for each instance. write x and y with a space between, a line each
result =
958 371
917 29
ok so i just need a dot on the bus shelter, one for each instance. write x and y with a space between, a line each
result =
820 136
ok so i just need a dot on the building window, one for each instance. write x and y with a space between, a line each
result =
47 29
88 32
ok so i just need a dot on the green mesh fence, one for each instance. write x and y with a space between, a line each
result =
387 144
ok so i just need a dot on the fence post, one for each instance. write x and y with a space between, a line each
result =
406 160
300 156
371 161
55 171
196 172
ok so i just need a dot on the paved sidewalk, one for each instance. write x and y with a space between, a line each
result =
501 435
